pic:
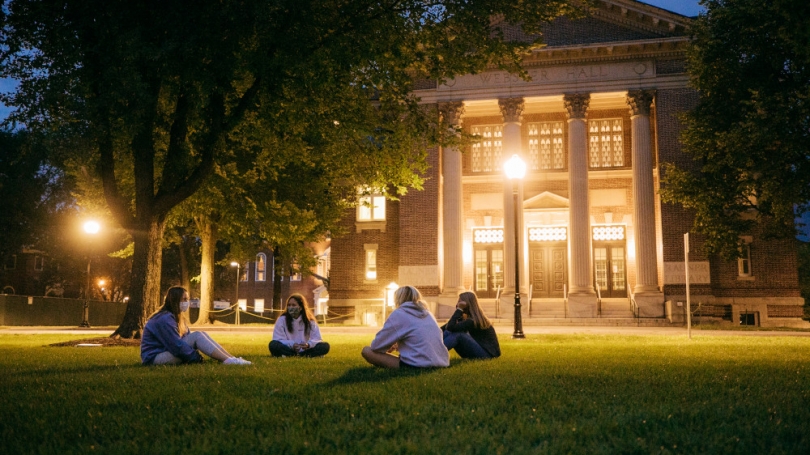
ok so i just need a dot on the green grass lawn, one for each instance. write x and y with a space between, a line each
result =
547 394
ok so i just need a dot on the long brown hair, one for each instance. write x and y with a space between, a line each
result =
171 304
306 313
474 310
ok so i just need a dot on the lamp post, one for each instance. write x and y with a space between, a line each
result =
236 309
90 227
515 169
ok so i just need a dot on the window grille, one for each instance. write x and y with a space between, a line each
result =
546 146
486 154
606 145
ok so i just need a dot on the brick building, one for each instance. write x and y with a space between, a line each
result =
256 284
594 125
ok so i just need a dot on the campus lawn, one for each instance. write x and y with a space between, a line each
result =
547 394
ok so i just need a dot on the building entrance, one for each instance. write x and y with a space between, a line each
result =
548 261
609 262
488 271
548 270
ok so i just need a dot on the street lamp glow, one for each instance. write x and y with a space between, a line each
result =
234 264
101 282
515 168
92 227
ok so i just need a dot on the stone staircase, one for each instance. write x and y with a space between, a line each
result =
552 312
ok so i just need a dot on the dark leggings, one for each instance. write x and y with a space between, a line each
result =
279 349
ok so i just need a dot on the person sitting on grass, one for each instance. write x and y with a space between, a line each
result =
296 333
411 330
167 339
469 331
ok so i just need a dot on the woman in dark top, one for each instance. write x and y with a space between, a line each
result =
469 331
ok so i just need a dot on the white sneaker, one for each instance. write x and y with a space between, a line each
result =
236 361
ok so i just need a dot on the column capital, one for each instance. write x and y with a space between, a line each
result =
451 112
640 101
511 108
576 105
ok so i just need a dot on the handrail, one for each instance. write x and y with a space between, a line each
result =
529 298
565 299
497 301
598 301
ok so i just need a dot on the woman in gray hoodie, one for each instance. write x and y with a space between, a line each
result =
411 330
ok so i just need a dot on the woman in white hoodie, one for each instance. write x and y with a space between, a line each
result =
296 334
411 330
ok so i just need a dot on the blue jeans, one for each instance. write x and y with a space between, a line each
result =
465 345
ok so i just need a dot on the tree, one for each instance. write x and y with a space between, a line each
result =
33 191
750 132
158 88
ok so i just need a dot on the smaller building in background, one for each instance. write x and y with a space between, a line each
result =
257 284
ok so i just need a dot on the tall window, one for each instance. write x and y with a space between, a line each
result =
606 145
744 261
546 146
371 262
486 155
261 267
11 262
39 263
371 208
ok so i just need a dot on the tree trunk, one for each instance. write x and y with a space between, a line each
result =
208 235
144 297
276 282
185 253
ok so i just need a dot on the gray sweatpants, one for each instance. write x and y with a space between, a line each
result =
197 340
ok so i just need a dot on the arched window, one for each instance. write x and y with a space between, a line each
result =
261 267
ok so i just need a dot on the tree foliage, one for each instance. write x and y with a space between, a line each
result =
158 90
750 132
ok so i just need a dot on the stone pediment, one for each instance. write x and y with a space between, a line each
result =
610 21
544 201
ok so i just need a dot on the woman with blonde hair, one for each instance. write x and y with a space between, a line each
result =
411 330
296 334
469 331
167 339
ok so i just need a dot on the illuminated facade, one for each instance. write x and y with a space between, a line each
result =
594 125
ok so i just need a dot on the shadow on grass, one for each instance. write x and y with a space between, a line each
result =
359 375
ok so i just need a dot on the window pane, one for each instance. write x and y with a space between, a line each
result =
617 264
364 209
379 207
497 269
261 267
371 264
481 270
258 305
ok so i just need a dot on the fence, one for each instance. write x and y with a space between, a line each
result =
20 310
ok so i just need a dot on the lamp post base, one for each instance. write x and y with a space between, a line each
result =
85 317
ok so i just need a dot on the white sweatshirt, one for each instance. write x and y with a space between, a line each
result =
417 334
297 335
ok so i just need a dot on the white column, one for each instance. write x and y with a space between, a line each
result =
511 108
452 207
643 192
582 297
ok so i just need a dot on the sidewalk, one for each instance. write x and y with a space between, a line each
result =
502 329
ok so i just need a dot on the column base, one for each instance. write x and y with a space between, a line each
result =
650 304
581 306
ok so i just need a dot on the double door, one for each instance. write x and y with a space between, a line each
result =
488 271
548 267
610 270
